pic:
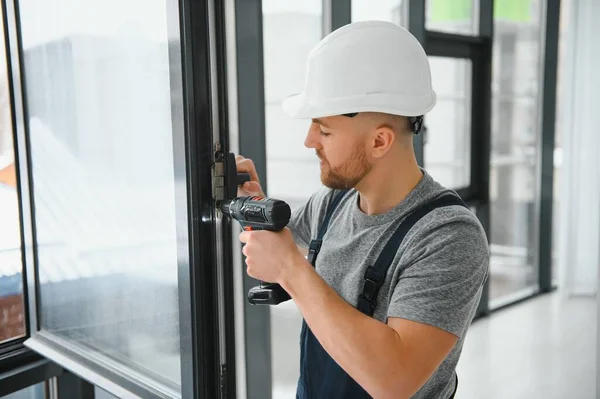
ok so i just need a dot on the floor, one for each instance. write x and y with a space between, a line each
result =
542 348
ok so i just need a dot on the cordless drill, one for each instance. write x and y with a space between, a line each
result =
258 213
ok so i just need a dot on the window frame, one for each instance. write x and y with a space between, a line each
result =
191 30
20 367
551 19
21 184
476 49
247 31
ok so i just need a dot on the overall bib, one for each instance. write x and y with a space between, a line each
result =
320 376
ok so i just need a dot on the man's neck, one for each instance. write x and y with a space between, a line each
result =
385 187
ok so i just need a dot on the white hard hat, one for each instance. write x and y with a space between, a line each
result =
368 66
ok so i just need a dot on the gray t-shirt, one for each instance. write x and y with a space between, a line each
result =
436 277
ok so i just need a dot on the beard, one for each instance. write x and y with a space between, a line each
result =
348 174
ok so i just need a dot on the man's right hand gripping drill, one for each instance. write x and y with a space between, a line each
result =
252 187
274 213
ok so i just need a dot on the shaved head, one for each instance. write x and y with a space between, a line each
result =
399 124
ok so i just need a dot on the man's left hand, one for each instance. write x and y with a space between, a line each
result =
270 256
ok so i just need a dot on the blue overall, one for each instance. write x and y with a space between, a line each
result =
320 375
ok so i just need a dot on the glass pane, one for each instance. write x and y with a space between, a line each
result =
515 133
12 321
99 108
32 392
100 393
457 16
448 135
290 30
383 10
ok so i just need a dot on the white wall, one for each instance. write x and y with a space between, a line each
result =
579 236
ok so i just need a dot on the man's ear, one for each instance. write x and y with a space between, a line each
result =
383 138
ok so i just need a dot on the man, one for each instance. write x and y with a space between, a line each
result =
398 334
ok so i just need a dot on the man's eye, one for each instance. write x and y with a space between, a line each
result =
324 134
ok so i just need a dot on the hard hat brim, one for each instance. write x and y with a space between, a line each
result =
297 106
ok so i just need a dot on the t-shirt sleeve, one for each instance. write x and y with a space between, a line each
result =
448 263
304 217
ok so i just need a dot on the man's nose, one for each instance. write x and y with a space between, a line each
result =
312 137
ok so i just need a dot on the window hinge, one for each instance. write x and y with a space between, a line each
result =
218 174
223 381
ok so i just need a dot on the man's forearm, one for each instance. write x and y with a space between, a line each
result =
303 251
363 346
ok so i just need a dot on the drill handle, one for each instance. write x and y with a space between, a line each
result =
243 178
267 294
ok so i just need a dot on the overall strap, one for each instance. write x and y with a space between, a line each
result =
375 275
315 245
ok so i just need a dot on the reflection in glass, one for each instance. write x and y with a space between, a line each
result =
290 30
32 392
383 10
459 16
448 135
100 393
99 109
515 133
12 320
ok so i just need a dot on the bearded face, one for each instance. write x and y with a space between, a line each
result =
345 173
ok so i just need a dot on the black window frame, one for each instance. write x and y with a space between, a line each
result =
20 367
196 26
477 49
